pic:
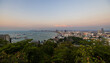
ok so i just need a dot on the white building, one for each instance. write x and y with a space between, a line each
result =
5 37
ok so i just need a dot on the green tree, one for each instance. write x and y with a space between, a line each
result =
3 42
64 53
103 52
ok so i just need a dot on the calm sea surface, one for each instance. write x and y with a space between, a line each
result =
21 35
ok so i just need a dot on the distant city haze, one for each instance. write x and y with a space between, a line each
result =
54 14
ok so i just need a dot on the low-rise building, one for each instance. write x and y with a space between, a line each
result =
5 37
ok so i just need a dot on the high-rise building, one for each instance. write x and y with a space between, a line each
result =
99 31
102 30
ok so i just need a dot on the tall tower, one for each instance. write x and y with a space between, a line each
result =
102 30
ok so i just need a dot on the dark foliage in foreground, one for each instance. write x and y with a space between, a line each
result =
69 50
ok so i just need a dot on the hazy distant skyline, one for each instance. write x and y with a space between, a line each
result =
54 14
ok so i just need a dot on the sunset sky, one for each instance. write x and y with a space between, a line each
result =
54 14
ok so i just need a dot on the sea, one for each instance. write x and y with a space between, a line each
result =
17 36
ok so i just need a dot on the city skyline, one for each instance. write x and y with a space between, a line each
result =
54 14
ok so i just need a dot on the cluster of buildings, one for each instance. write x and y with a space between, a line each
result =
95 35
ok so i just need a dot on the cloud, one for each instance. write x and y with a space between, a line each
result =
63 25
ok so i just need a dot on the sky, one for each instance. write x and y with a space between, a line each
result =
54 14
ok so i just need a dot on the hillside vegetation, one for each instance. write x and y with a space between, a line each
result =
67 50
